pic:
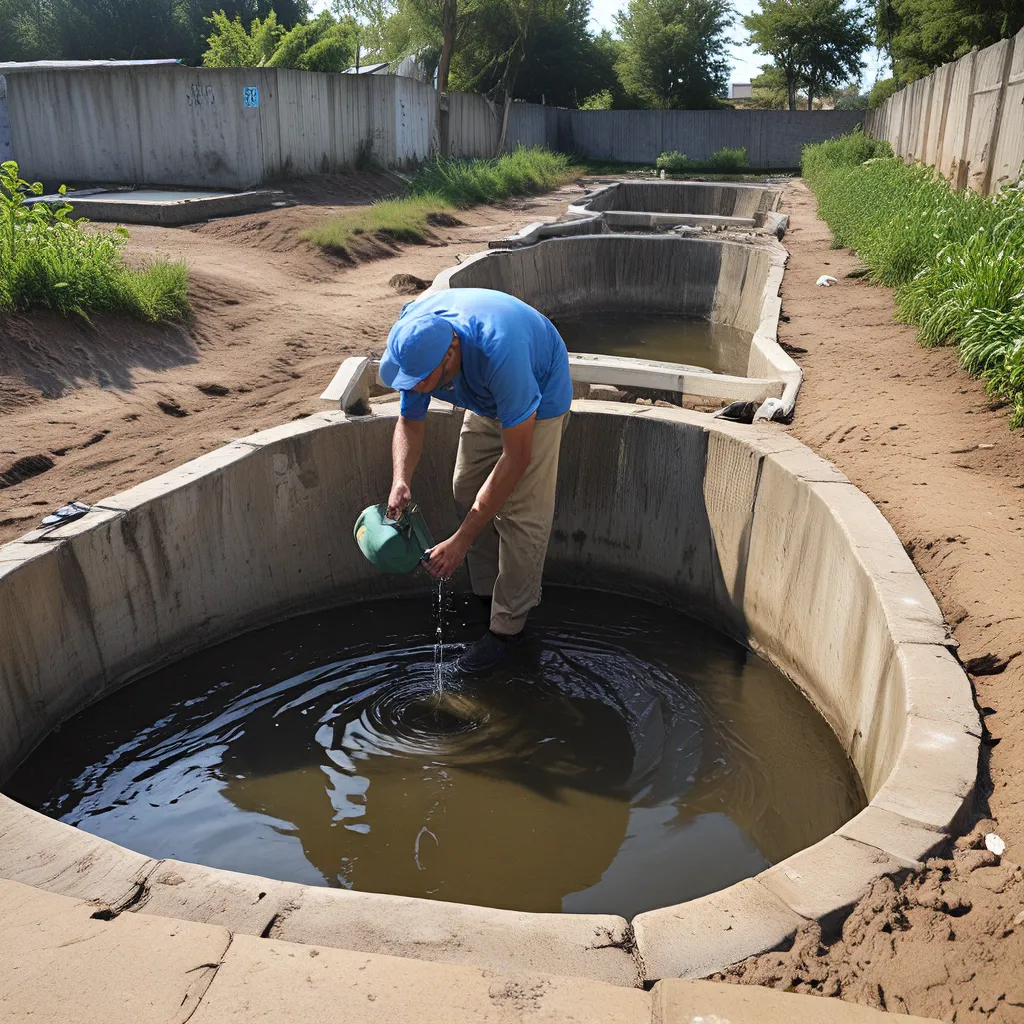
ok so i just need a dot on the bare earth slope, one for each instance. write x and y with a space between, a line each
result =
919 436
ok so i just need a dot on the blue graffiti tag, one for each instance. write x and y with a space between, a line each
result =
250 96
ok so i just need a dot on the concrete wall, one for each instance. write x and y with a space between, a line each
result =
689 197
741 526
773 139
966 119
173 125
199 127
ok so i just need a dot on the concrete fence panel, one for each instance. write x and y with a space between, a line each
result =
952 158
938 113
966 119
1009 147
991 69
474 126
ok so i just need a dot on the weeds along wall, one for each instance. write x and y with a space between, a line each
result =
965 119
240 127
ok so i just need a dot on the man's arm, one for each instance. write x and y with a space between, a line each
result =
517 448
406 448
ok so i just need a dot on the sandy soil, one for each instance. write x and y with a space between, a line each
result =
100 407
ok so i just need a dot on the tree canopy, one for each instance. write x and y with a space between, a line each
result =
817 45
920 35
674 51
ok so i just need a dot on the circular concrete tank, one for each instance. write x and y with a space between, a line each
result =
740 526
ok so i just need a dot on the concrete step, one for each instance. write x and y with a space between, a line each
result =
61 959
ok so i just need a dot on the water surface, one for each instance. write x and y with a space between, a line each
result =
673 339
625 758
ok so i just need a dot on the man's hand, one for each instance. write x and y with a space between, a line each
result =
446 557
398 499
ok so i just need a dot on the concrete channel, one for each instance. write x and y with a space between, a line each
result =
739 525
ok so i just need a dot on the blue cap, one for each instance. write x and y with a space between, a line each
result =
416 346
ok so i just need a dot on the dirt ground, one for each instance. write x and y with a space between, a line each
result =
91 409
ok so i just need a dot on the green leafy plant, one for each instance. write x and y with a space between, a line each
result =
954 259
49 260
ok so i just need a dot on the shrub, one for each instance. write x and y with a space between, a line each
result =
49 261
723 161
954 259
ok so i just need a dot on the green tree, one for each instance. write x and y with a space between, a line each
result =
817 44
769 90
881 91
920 35
323 44
229 45
674 51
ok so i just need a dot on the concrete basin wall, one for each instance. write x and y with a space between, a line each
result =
741 526
721 199
732 283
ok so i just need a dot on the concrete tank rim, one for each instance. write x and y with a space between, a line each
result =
923 797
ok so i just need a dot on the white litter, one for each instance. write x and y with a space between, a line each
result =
768 410
994 844
826 281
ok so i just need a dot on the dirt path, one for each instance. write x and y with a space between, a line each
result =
99 408
919 436
115 404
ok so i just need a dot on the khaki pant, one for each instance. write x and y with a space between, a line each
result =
507 560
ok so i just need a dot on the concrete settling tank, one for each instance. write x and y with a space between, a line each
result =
740 526
731 283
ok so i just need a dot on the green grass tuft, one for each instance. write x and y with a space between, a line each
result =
954 259
525 171
49 261
402 220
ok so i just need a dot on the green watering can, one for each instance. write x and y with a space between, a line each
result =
393 546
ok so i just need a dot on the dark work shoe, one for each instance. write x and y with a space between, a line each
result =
490 650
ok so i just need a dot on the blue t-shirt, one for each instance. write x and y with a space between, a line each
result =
514 362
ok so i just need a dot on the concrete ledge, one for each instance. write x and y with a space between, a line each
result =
164 208
741 526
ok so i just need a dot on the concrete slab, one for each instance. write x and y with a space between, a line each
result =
59 963
824 881
36 850
229 899
165 207
580 945
705 1002
697 938
265 980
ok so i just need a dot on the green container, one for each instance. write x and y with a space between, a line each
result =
393 546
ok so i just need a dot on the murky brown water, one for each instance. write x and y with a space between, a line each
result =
655 336
625 758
